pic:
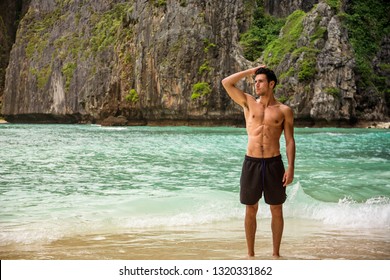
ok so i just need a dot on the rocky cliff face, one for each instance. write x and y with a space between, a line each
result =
123 62
319 82
10 13
316 64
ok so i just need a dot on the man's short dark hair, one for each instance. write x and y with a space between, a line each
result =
269 73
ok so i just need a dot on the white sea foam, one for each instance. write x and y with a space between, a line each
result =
373 213
113 127
188 209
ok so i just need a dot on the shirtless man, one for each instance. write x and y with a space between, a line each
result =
263 170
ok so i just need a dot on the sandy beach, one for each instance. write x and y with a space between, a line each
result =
303 240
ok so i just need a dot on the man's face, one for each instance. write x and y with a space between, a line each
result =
261 84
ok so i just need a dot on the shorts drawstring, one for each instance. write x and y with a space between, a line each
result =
263 162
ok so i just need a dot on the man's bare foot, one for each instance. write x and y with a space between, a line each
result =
248 257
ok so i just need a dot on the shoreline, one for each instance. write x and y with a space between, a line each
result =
214 123
381 125
302 240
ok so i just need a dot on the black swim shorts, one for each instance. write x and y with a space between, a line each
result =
262 175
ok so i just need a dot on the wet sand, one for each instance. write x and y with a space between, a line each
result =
302 240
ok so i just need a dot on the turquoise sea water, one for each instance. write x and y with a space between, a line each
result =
58 181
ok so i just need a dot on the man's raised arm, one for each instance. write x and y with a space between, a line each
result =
229 83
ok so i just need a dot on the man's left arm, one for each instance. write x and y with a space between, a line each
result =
290 145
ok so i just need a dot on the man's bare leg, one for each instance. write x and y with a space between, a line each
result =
277 225
250 228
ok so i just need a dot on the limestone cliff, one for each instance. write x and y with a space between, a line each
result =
317 67
10 13
317 76
124 62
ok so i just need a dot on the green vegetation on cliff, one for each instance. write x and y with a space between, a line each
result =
264 30
275 38
132 96
159 3
68 71
291 31
335 4
368 22
200 89
107 26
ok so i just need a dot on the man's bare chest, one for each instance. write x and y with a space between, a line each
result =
269 116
